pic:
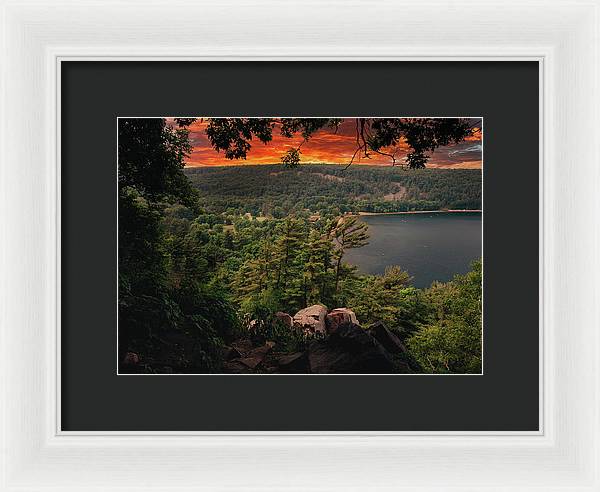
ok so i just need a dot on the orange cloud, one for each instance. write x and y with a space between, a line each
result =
475 135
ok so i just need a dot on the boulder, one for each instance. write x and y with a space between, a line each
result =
311 319
386 338
235 367
243 345
253 358
284 318
131 359
296 363
324 358
350 349
230 353
338 317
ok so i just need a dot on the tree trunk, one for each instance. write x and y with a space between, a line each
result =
337 273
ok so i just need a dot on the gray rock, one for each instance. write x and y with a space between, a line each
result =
243 345
230 353
253 358
338 317
311 319
386 338
296 363
235 367
350 349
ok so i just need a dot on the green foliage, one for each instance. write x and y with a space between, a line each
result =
297 261
388 298
306 126
328 190
422 135
318 275
290 258
166 314
347 233
233 135
291 158
450 340
209 307
142 264
286 340
151 159
260 310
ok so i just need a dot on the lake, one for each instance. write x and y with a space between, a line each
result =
429 246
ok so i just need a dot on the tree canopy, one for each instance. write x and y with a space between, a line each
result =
381 136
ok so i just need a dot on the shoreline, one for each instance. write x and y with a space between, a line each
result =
412 212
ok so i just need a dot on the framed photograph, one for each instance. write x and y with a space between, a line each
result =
229 224
331 246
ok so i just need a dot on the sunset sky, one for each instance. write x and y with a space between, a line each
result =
328 146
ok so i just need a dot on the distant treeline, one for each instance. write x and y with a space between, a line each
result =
273 191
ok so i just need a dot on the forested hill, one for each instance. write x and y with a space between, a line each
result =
272 190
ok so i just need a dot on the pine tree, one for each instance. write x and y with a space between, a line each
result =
348 233
255 274
286 255
317 268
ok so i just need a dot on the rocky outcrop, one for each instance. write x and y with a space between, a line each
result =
230 353
350 349
341 347
338 317
311 320
235 367
296 363
243 345
255 356
386 338
243 358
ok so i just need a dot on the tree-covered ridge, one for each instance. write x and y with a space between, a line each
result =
272 190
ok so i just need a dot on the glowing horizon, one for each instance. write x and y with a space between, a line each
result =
328 146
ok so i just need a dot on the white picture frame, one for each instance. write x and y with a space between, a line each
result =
561 35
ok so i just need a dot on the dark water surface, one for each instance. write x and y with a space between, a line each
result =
428 246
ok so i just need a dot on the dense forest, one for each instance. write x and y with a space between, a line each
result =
270 190
241 269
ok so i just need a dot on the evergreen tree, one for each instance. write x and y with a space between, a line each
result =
287 254
388 298
256 273
450 340
317 269
348 233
